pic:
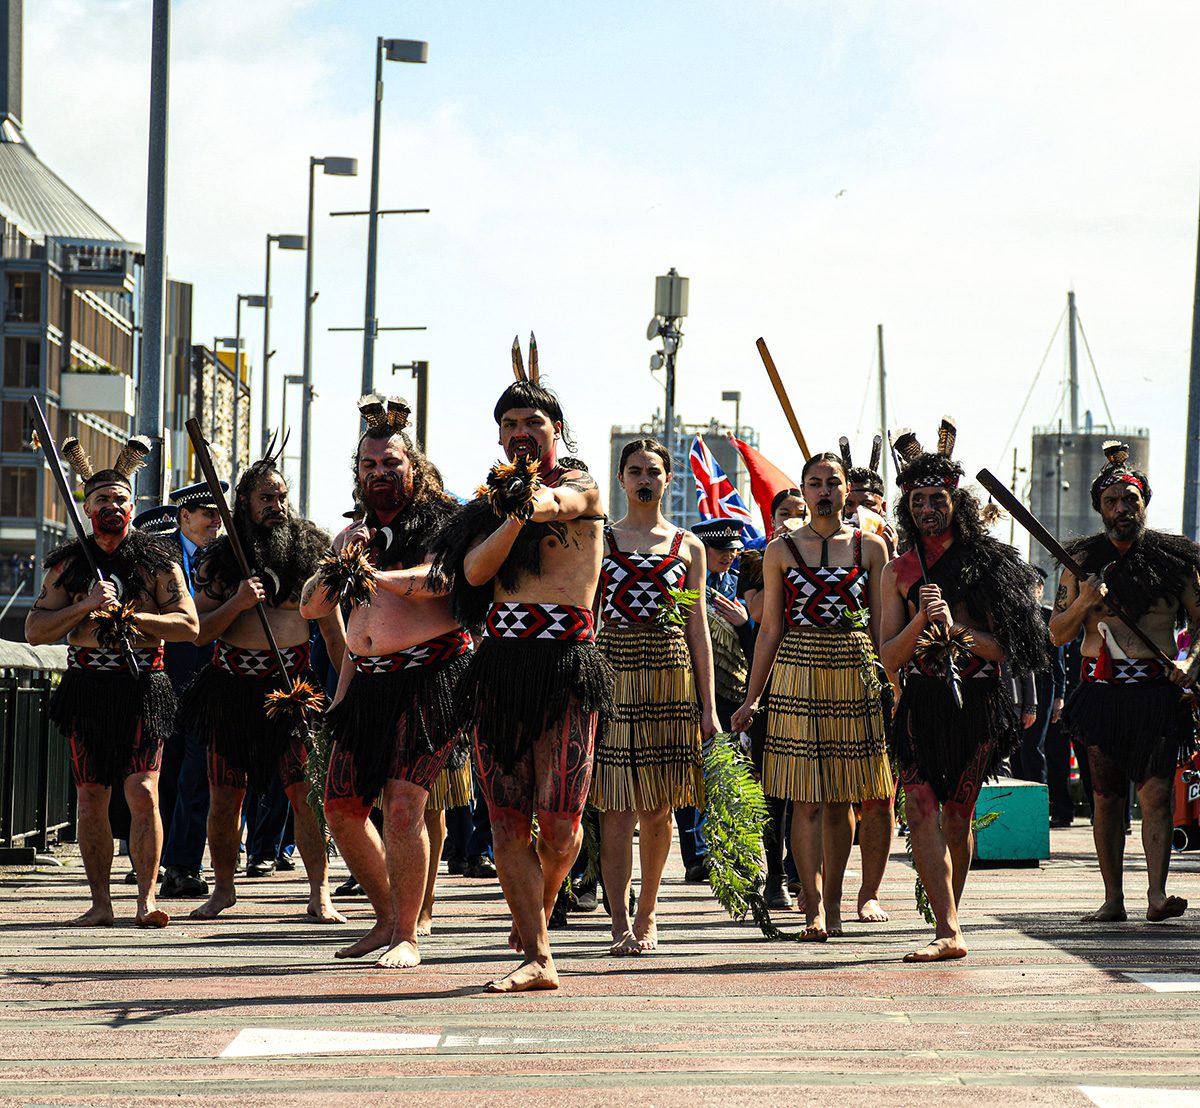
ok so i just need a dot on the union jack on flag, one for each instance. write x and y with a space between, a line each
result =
715 493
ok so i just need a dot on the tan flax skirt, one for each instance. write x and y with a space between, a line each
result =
451 788
650 756
825 736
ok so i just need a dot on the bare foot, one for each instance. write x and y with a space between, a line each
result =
813 934
214 905
939 950
833 922
646 935
514 941
153 917
321 910
1108 912
1168 908
404 955
379 936
537 973
871 911
424 924
96 916
624 944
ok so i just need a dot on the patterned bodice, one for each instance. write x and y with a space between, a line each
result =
635 585
816 596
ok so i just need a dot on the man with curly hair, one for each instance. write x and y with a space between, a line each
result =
226 703
537 688
955 585
117 722
1129 706
393 722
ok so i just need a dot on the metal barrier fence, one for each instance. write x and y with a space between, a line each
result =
37 801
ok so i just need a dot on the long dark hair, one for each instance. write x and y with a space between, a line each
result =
525 394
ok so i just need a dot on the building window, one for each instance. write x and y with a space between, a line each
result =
17 430
18 491
23 301
16 569
22 363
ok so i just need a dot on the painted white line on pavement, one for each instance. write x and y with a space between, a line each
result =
1168 982
264 1042
1114 1097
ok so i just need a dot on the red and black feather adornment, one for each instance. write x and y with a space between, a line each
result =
348 574
938 641
510 488
116 626
298 702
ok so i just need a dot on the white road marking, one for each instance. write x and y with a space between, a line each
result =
1123 1097
265 1042
1168 982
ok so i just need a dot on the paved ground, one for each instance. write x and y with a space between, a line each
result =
252 1008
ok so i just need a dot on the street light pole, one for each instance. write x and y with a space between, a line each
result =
396 50
285 242
735 397
337 167
254 301
420 371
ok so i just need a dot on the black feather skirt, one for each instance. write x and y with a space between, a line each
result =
1145 728
516 689
102 710
364 722
939 740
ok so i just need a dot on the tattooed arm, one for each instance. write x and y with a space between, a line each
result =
53 615
409 584
218 606
316 601
577 495
176 619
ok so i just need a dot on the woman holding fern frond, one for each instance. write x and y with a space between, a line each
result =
656 637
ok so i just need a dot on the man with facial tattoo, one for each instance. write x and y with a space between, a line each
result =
537 689
1129 706
226 703
955 585
116 721
393 722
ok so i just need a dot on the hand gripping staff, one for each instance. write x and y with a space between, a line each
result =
300 696
46 442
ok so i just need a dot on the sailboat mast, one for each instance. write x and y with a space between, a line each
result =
1072 362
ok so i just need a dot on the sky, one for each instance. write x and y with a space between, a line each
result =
946 170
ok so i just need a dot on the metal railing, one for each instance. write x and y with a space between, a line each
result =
37 801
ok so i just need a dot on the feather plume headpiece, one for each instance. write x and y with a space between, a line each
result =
1118 470
130 459
391 412
533 376
920 468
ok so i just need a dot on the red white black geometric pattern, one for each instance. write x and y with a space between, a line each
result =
258 663
635 585
971 666
558 622
817 596
1125 671
110 661
431 652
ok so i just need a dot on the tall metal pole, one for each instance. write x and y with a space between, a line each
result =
237 387
883 423
1191 463
370 323
216 392
420 370
266 370
152 479
1073 363
306 399
1058 482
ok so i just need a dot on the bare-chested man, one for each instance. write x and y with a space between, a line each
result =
537 687
945 753
117 723
394 720
225 705
1128 707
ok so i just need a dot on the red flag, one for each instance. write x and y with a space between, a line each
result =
767 480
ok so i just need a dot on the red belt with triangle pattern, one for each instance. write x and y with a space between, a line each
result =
556 622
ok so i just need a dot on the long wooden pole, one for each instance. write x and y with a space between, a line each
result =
781 394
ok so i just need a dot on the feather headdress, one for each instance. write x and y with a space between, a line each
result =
518 364
392 412
130 459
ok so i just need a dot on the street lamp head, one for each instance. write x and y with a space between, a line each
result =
253 300
229 342
733 396
289 242
339 167
405 50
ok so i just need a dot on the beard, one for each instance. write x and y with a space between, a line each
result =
273 547
933 523
385 494
1125 528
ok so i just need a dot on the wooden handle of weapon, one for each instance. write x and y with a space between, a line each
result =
1033 525
781 394
204 459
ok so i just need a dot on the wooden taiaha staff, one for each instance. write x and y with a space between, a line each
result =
781 394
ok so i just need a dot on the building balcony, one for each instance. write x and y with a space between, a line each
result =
97 392
98 269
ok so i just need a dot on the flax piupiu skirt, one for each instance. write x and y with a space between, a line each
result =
650 757
826 741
